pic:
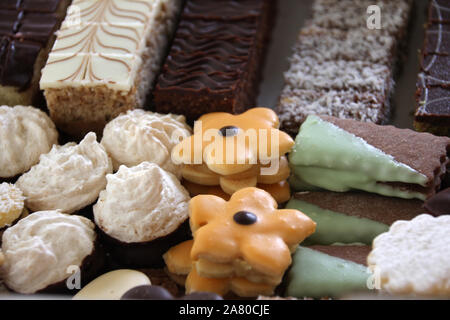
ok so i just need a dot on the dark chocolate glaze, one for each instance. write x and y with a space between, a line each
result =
205 64
213 29
439 11
144 254
434 104
437 69
198 81
90 268
439 204
222 9
437 39
26 26
234 46
30 5
149 292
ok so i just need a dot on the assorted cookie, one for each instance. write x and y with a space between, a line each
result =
41 250
68 178
207 213
328 271
243 245
27 35
25 134
214 64
232 152
12 206
105 59
433 84
351 217
142 213
138 136
412 257
342 155
341 67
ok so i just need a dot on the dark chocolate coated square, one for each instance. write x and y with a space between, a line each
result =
434 101
437 69
17 59
439 11
437 39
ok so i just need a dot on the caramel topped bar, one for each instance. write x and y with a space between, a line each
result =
104 60
26 32
433 85
342 68
215 61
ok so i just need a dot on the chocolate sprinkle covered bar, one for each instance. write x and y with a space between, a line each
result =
433 85
27 33
105 59
342 68
215 61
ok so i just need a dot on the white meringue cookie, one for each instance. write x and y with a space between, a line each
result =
25 134
68 178
39 249
141 203
139 136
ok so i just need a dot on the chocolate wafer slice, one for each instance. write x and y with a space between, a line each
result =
342 155
352 217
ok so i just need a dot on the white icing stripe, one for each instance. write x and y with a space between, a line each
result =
441 8
422 108
438 44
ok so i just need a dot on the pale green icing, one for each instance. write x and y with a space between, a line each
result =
334 227
299 185
332 158
343 181
316 275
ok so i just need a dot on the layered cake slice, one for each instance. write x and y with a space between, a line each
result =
340 67
342 155
351 217
105 59
215 61
328 272
26 35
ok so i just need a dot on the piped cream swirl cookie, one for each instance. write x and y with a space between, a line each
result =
142 212
141 203
138 136
68 178
25 134
40 248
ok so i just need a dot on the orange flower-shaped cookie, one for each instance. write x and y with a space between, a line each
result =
235 151
246 237
179 265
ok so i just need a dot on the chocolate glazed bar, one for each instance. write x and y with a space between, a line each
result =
27 33
216 58
433 85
